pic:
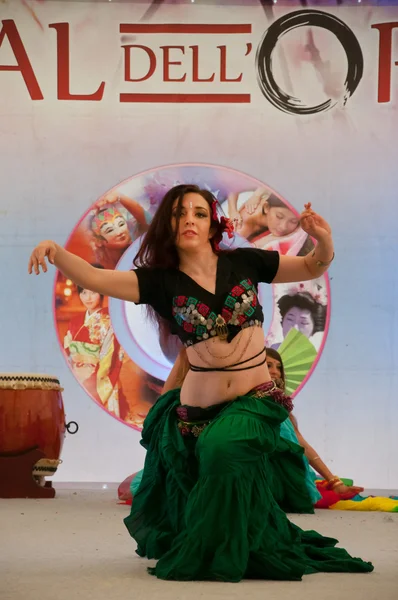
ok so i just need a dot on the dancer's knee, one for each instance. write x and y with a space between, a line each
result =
215 455
227 446
219 454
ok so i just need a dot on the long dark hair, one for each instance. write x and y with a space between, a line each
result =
282 382
158 250
276 356
158 247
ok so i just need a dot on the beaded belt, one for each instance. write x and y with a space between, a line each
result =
271 389
192 429
192 420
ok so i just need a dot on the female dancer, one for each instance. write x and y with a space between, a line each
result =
290 430
205 507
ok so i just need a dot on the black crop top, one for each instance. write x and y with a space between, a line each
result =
196 314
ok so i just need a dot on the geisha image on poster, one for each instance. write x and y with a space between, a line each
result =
121 357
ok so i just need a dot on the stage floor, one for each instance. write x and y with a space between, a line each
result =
75 547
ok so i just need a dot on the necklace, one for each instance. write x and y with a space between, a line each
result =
208 345
227 355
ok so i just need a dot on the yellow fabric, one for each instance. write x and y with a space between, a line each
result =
368 504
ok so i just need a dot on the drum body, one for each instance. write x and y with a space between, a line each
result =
31 414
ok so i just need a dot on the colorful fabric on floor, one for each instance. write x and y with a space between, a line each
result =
368 503
354 501
329 497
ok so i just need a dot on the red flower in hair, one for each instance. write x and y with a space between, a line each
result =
214 209
227 226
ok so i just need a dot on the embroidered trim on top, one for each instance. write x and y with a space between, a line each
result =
198 319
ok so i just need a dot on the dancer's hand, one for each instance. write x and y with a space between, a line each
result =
46 249
313 224
345 490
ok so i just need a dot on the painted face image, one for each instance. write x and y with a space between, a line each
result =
299 318
116 233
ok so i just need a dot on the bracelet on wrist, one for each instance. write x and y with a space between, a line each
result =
334 482
337 484
322 263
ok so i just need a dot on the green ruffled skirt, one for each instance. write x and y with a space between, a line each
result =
212 507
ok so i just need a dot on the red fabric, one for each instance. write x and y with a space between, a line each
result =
329 497
124 490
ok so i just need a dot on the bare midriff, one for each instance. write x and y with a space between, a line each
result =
207 388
